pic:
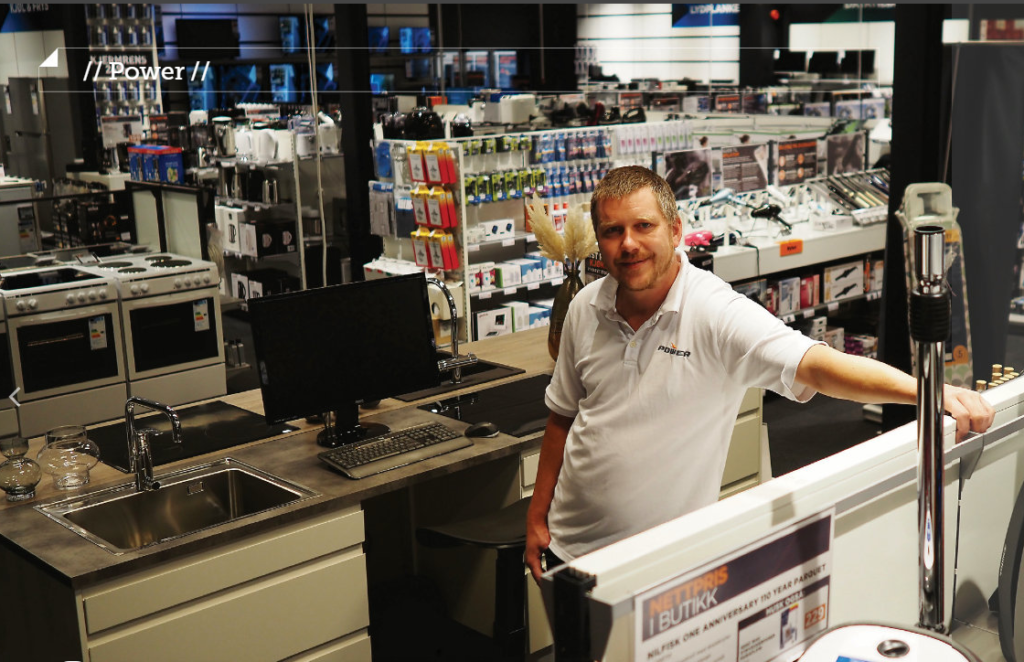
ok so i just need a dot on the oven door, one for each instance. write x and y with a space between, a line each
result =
66 351
173 332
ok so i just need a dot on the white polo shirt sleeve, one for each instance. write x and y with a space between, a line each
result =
566 388
758 349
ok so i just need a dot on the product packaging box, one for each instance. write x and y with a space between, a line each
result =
539 316
835 338
810 292
171 165
507 275
877 276
789 296
771 297
844 281
499 229
497 322
756 291
240 286
530 271
262 238
861 345
520 315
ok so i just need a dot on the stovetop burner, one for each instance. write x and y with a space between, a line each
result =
158 258
169 264
113 265
131 270
30 279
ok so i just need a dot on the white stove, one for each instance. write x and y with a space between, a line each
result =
64 334
173 332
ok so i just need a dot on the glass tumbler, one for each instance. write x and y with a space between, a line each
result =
68 456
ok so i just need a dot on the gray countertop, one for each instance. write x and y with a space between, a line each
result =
292 457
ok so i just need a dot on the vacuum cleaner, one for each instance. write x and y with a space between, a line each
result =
875 642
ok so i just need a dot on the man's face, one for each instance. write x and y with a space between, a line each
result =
637 243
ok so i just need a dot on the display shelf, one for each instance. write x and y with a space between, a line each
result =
525 287
830 307
474 247
763 257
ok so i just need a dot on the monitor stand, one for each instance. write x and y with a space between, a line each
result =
342 427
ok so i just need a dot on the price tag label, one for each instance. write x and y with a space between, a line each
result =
472 248
531 237
788 319
791 247
833 307
533 286
511 241
485 295
808 313
510 290
557 281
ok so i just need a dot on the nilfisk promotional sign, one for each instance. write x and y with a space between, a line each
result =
757 604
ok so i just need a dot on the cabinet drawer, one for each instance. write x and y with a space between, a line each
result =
274 619
528 468
751 400
197 575
744 457
354 648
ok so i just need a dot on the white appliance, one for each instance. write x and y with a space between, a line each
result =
8 415
173 331
64 334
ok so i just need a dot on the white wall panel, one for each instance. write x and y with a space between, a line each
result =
619 9
52 40
645 26
8 65
29 49
878 36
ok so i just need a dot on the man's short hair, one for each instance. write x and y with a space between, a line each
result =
620 182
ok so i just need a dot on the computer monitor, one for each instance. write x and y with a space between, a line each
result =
858 62
824 62
329 349
791 61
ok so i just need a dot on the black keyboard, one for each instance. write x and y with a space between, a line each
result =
394 450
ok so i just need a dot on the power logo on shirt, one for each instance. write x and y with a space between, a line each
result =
673 351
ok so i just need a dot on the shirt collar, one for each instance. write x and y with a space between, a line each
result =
605 299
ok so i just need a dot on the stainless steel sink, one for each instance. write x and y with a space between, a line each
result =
473 374
119 519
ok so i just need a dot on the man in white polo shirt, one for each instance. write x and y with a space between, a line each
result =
653 364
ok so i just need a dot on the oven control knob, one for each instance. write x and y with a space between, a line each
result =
71 298
134 289
81 297
92 295
33 304
20 305
102 294
145 288
197 280
206 278
177 283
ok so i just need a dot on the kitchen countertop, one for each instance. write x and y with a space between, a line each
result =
292 457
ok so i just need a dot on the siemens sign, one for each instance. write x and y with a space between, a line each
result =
702 16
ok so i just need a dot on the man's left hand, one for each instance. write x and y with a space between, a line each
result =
971 411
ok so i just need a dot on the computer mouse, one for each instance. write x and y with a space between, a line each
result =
482 429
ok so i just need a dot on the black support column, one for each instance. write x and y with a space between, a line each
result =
357 121
920 83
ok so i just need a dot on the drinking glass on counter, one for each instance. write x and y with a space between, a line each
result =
68 456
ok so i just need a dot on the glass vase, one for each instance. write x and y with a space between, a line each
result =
569 289
19 475
68 456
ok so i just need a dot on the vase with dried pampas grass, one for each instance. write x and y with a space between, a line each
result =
570 248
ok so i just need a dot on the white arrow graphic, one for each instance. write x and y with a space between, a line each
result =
12 399
52 60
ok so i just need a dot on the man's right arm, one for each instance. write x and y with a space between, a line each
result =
549 466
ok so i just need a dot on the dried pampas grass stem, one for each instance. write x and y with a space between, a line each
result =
578 242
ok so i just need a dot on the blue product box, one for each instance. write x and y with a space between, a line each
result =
150 165
135 154
171 166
